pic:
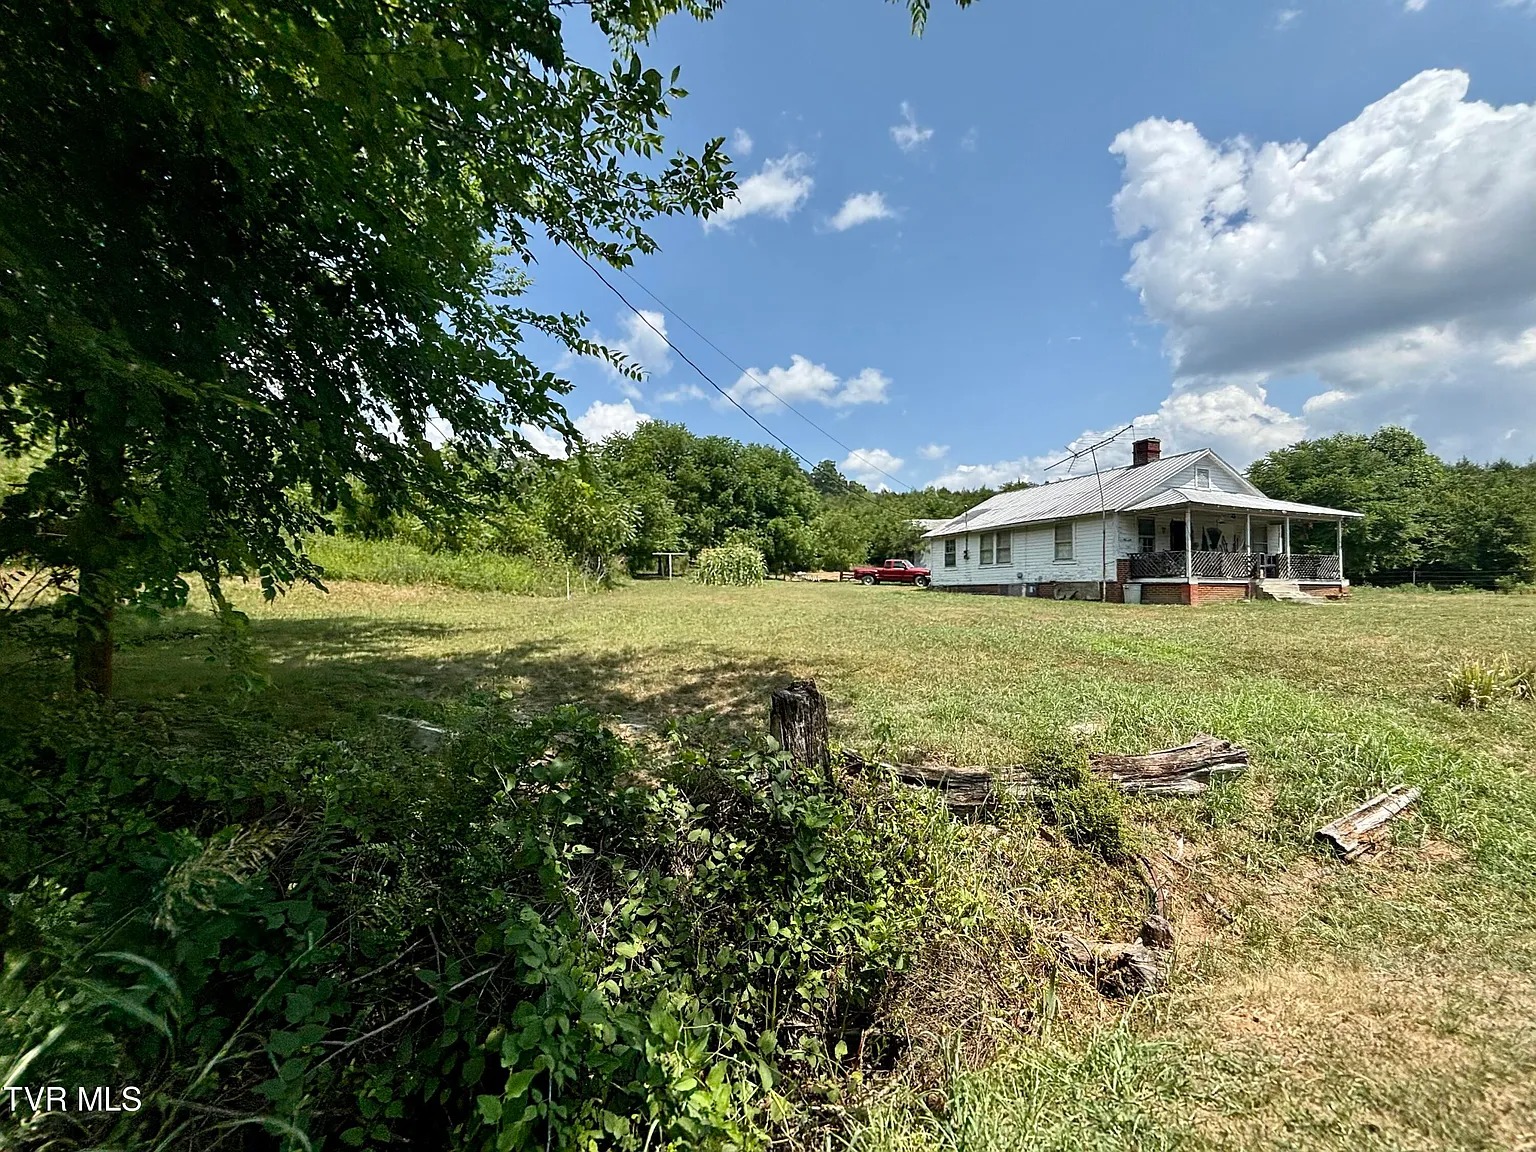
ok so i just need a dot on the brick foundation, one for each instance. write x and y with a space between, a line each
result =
1193 593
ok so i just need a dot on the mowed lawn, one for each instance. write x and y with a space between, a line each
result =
1384 1005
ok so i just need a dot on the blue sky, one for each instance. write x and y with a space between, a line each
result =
1234 223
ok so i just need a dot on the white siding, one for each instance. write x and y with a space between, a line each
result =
1221 479
1034 555
970 569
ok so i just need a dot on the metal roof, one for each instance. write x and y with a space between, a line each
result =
1079 495
1208 499
929 525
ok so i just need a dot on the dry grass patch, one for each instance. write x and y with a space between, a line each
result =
1391 1059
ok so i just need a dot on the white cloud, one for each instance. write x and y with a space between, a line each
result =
682 392
1234 419
860 208
983 475
643 344
741 143
869 465
969 141
802 381
1414 5
933 451
596 424
908 135
1390 262
777 190
1286 17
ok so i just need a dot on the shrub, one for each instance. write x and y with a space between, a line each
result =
531 939
733 563
1476 684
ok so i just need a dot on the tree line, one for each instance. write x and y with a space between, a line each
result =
1425 519
660 488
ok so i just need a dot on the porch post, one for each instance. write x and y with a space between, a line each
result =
1189 546
1248 536
1287 536
1339 525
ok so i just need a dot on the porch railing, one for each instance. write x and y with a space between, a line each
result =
1320 568
1209 565
1233 566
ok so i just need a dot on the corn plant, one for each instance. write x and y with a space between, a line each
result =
734 563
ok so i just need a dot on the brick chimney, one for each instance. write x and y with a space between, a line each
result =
1147 451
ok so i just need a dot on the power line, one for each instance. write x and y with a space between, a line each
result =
853 453
644 319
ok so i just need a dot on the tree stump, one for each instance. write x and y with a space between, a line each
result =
797 719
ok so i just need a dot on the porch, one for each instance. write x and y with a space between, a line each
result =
1206 538
1236 566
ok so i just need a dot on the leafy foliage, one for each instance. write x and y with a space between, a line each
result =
254 256
530 940
1462 523
702 490
1478 684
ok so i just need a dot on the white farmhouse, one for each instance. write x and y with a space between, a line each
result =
1182 529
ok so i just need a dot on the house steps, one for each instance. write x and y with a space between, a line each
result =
1287 590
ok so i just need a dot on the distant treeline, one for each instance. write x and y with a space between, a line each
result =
1425 519
662 488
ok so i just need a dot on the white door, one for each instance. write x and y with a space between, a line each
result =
1276 539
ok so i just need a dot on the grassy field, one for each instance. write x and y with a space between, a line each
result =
1315 1005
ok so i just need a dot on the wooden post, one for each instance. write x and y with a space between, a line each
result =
1288 542
1189 551
1248 537
1339 525
797 719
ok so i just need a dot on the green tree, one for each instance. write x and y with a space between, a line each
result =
827 480
251 253
1390 476
717 487
842 539
587 517
1489 521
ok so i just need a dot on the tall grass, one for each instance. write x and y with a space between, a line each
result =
396 562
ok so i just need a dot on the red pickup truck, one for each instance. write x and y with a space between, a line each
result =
892 572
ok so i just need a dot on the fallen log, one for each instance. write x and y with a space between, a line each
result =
1117 969
1184 771
1365 828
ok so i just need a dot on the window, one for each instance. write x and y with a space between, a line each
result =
1202 477
949 552
986 547
1146 534
1063 541
1005 547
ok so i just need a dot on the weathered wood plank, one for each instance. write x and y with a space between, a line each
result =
1356 833
1186 770
1117 969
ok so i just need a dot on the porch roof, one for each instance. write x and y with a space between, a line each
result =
1238 502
